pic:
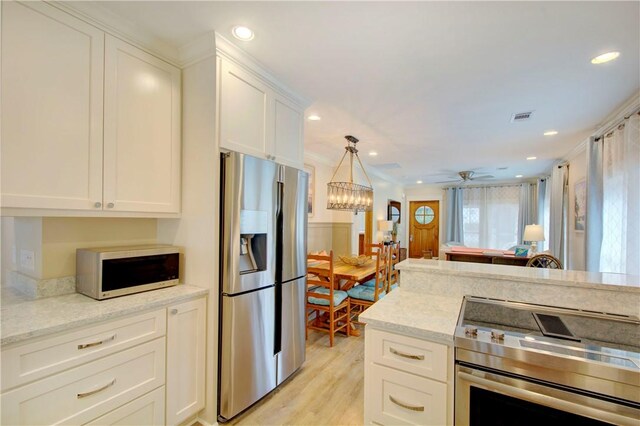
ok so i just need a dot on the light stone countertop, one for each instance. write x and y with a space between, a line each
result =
428 317
34 318
518 273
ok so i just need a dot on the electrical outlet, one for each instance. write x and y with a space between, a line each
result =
27 260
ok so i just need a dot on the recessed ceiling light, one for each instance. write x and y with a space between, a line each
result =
418 181
373 153
242 33
518 176
314 117
531 158
605 57
551 132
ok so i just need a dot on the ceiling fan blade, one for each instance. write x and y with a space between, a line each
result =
482 177
449 181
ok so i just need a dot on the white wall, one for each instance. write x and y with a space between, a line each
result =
197 229
323 172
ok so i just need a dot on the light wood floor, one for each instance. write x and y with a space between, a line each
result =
327 390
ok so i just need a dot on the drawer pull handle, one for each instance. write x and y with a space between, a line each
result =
405 355
407 406
100 389
90 345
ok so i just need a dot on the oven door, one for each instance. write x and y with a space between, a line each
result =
491 398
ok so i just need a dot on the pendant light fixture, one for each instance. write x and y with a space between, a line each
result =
349 195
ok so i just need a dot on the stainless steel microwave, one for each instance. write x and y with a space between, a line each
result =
108 272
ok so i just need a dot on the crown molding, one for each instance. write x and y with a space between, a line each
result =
198 50
627 108
120 27
231 52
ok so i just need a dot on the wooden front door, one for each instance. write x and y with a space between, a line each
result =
424 228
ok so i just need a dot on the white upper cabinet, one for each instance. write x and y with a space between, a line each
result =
89 122
52 74
288 134
141 131
243 110
256 117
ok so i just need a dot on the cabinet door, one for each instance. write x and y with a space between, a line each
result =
142 131
52 72
288 142
186 341
243 111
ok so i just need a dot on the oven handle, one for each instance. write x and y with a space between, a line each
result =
545 400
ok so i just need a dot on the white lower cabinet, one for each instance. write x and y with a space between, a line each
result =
407 380
185 360
81 394
147 369
148 410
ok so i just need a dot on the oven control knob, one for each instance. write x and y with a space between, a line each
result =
497 335
471 331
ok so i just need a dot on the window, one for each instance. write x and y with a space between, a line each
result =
424 215
490 216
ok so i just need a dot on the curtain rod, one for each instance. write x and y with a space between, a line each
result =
617 123
489 186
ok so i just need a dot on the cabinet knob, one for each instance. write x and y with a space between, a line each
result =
174 311
110 205
97 204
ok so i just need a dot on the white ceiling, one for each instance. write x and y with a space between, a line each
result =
431 86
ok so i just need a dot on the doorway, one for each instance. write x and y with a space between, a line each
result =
424 228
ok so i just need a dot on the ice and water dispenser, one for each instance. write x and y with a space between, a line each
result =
253 241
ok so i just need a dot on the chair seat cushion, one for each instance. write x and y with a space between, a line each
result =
370 283
338 297
362 292
394 286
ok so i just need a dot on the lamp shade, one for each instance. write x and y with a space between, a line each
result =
385 225
533 233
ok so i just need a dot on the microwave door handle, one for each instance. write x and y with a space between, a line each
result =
542 399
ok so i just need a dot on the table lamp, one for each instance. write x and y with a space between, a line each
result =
385 226
533 234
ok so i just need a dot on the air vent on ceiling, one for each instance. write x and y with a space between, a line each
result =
521 116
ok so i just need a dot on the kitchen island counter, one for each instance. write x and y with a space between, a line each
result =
428 301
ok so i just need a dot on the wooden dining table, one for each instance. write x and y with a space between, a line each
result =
346 276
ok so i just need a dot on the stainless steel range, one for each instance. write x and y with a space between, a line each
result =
527 364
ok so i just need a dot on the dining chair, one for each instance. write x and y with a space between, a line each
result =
324 301
394 258
364 295
544 260
385 250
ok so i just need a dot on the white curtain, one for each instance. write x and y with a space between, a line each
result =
490 216
544 196
620 250
559 212
528 208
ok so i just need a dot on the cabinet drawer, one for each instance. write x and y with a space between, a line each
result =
394 397
427 359
147 410
86 392
32 361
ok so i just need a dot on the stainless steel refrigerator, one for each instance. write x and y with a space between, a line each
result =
262 279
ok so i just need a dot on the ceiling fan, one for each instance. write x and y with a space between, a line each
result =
466 176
